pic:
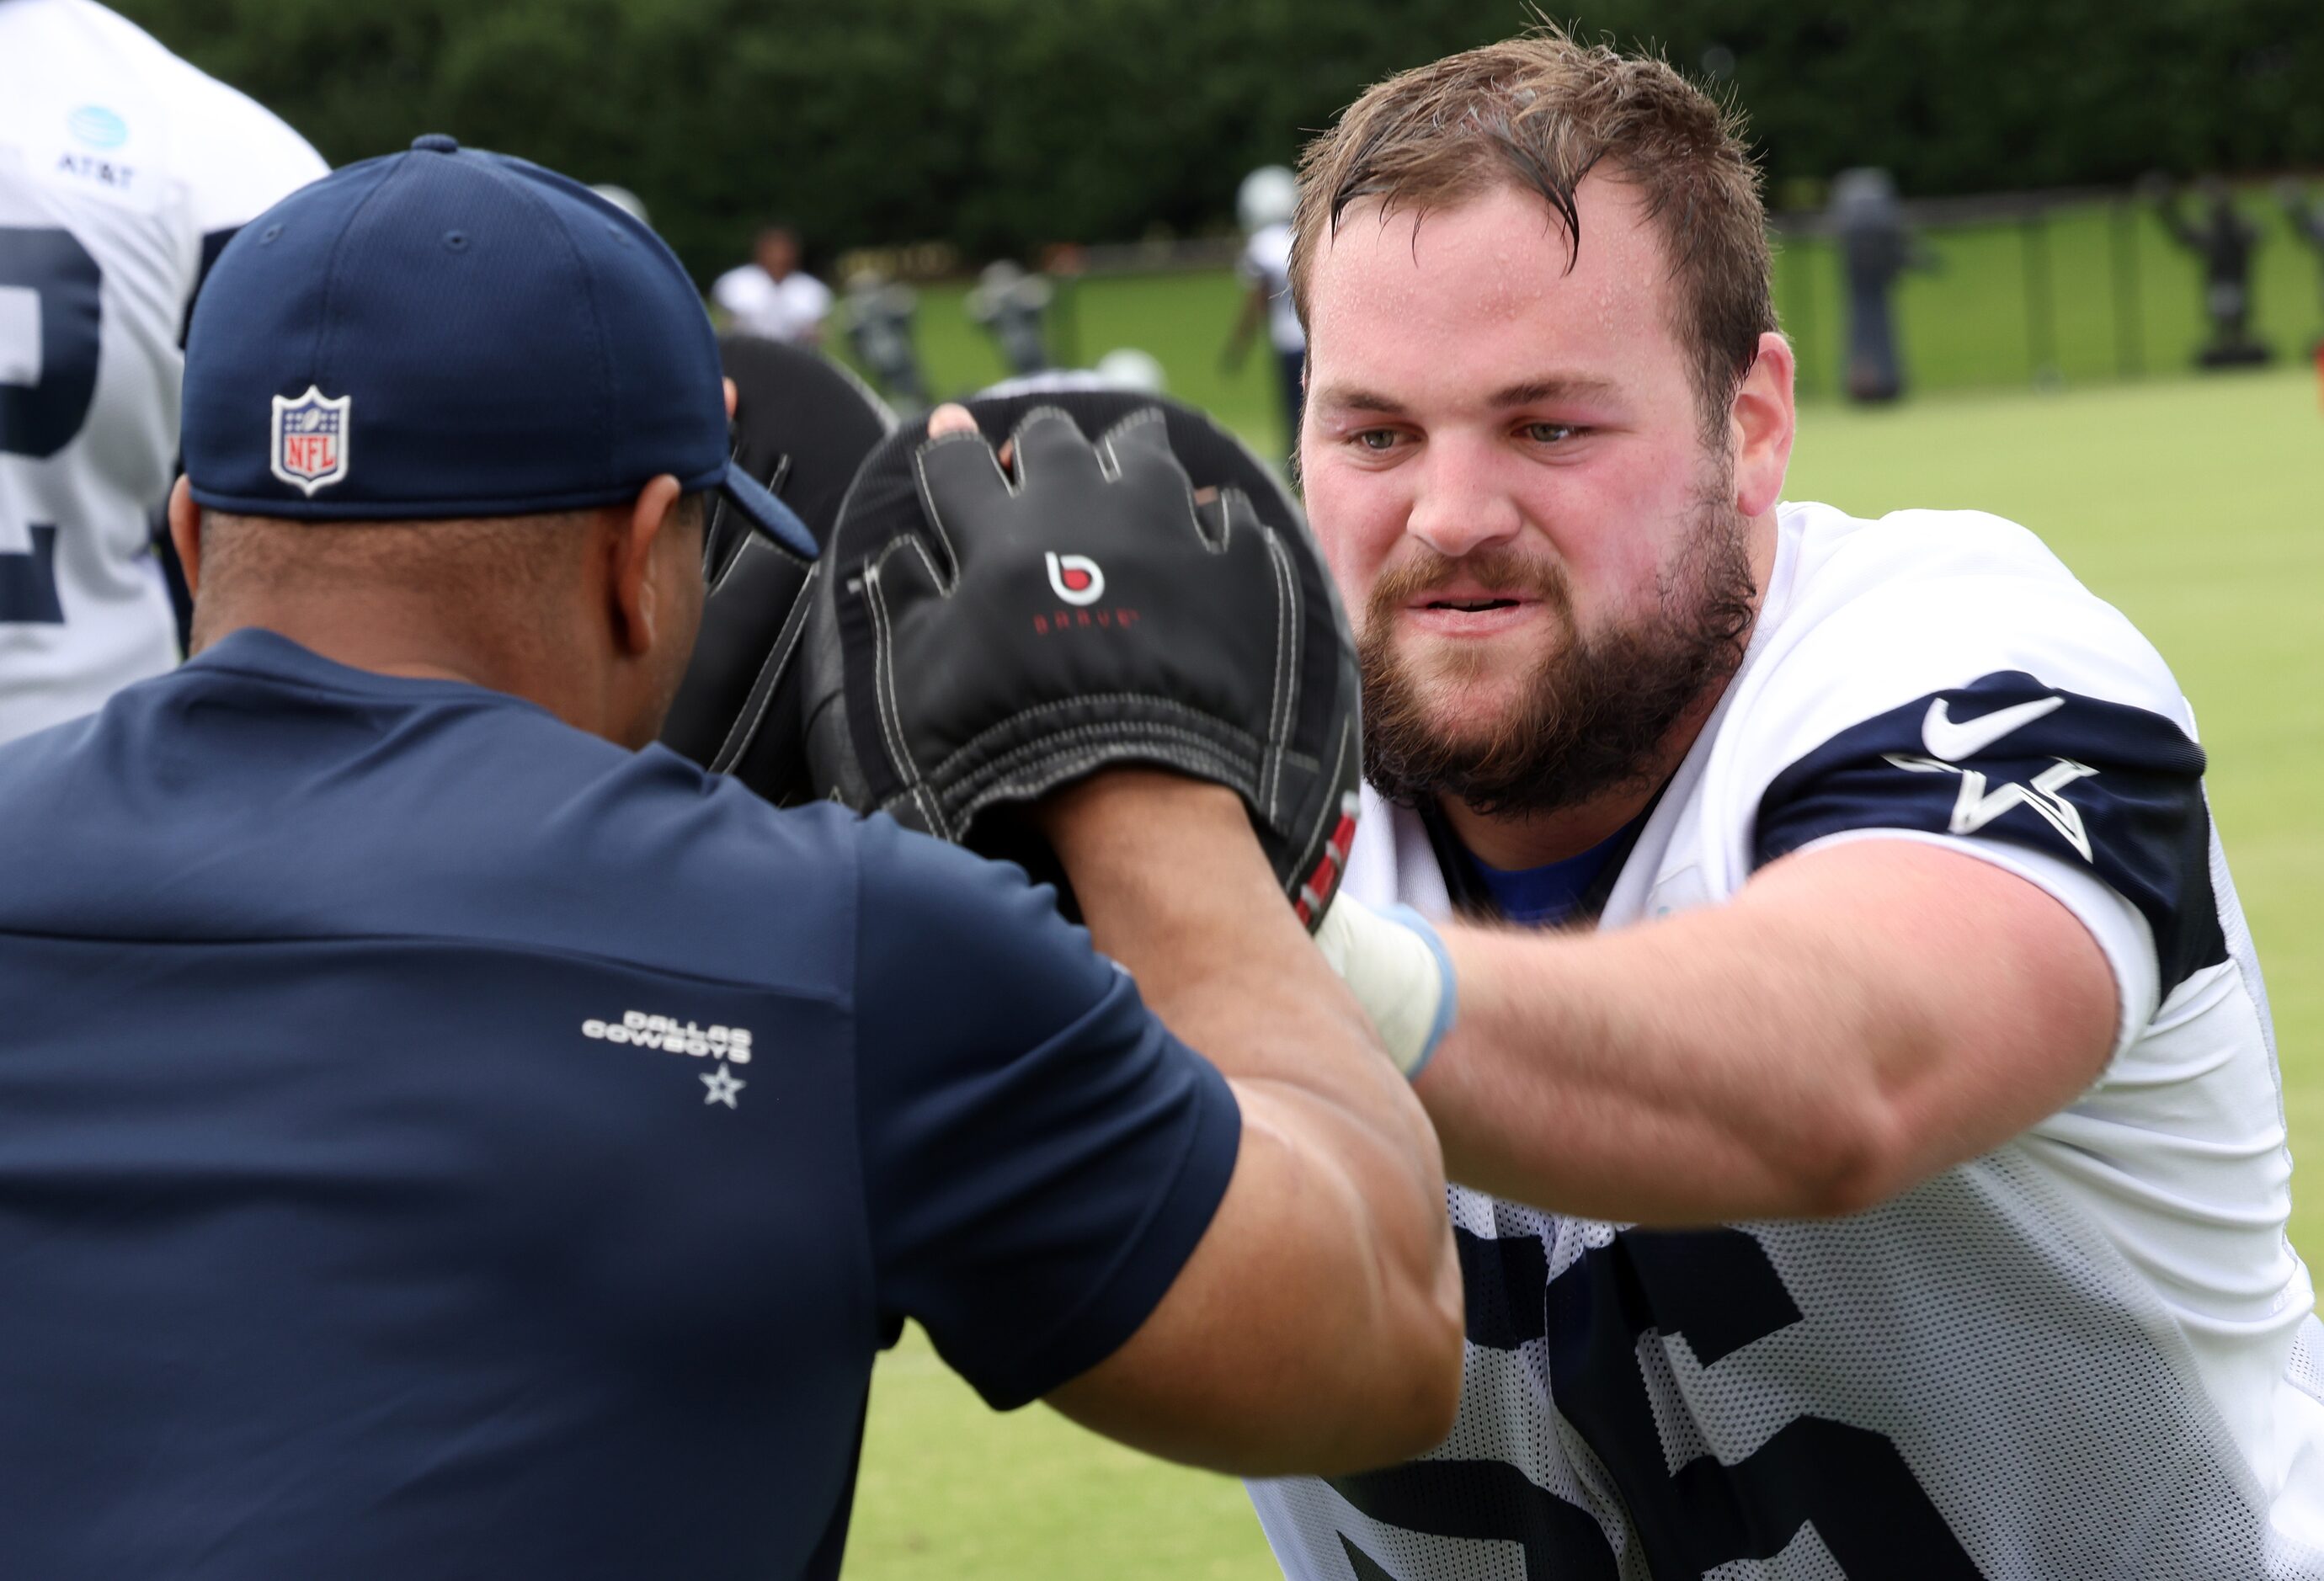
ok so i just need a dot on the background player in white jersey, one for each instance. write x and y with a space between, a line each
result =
122 172
1917 970
771 295
1263 207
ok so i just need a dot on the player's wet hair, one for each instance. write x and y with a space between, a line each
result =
1539 113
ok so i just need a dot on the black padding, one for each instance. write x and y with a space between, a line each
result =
978 640
802 425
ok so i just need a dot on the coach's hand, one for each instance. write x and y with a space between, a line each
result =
1000 628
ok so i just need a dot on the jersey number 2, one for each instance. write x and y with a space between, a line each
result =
40 417
1717 1288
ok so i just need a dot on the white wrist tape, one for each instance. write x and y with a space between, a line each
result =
1396 966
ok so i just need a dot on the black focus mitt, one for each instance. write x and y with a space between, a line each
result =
981 637
802 425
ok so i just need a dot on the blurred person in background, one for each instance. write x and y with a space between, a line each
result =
1013 307
1263 209
2228 244
1876 249
771 295
1122 368
124 170
880 314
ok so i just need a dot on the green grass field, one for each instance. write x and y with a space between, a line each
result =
2195 505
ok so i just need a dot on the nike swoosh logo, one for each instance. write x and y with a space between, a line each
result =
1952 743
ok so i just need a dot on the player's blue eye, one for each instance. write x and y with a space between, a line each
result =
1550 433
1377 439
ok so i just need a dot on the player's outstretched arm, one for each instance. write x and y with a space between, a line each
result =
1857 1019
1317 1326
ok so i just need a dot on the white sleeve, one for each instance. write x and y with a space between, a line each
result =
1269 257
2016 719
731 291
1248 267
237 158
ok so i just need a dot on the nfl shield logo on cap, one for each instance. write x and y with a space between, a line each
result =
310 440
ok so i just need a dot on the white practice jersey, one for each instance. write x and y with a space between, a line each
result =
1266 261
122 171
2090 1353
792 308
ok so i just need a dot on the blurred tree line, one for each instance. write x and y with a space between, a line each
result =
1001 125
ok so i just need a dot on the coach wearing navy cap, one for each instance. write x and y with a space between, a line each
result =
439 1139
458 336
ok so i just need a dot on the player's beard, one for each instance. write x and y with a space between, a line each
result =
1598 712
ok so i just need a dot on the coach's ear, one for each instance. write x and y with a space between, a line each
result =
185 532
1760 425
643 594
650 555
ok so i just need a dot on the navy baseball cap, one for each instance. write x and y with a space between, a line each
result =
451 333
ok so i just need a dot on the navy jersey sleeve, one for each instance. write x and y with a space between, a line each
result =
2107 788
1040 1155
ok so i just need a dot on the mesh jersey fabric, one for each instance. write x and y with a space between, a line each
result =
2090 1351
434 1141
122 171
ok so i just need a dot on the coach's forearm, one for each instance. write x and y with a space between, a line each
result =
1348 1303
1855 1021
1172 884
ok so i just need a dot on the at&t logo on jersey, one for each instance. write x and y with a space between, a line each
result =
97 126
310 448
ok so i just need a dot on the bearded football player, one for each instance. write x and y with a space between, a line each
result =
1862 1096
